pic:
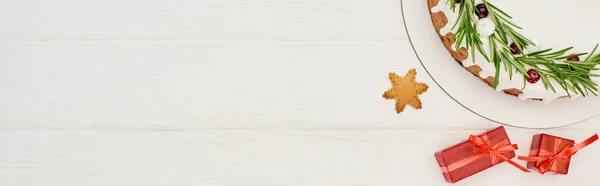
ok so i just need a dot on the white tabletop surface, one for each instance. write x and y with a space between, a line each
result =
229 93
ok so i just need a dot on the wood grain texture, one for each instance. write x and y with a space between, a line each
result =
227 93
127 20
269 158
214 85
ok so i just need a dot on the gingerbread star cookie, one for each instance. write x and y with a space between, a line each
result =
405 90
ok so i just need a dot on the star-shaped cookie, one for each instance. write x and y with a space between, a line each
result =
405 90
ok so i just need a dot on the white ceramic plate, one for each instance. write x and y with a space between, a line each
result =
496 106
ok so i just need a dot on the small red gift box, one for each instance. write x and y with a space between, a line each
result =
552 153
476 154
545 145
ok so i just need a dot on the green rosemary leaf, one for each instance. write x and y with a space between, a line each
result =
468 41
473 56
497 76
503 45
547 83
459 40
497 9
480 48
588 87
493 53
538 52
502 33
591 53
506 62
521 37
452 5
510 67
557 53
518 38
521 69
570 56
534 61
593 92
568 87
581 63
510 23
578 88
596 57
565 86
574 73
587 90
594 87
524 84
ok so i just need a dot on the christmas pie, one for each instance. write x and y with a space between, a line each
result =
484 38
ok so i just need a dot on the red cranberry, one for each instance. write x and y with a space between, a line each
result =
574 58
482 11
514 49
534 76
457 1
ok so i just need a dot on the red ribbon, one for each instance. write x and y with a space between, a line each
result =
552 157
484 148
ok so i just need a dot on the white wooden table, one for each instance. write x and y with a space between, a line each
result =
228 93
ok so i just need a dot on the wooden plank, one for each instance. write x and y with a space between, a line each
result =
214 85
269 158
208 85
41 20
217 85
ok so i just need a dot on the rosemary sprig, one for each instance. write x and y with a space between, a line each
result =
466 29
572 76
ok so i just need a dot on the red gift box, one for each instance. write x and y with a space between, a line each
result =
545 145
552 153
476 154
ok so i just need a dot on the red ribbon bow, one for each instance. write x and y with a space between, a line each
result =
484 148
564 155
495 152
